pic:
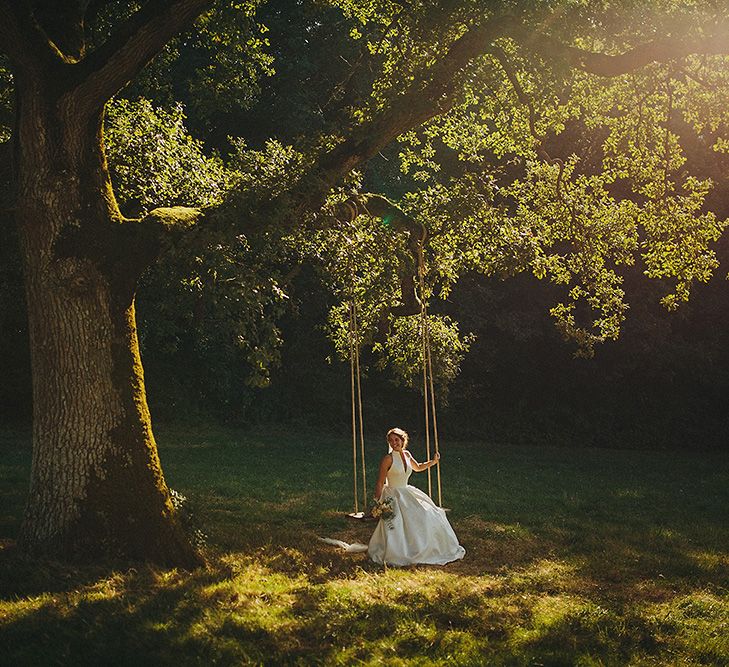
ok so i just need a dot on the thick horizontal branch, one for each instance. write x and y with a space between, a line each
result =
160 228
379 206
129 247
136 244
662 49
171 220
434 92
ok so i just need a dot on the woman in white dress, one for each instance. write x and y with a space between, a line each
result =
418 531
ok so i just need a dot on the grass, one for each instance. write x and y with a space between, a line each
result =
574 557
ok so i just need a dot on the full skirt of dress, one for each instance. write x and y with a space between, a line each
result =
417 532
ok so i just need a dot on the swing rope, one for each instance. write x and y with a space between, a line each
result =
359 405
432 402
428 387
426 410
429 403
354 413
356 386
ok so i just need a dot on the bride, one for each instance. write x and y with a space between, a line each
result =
418 530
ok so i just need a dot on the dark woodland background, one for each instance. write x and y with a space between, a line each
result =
662 385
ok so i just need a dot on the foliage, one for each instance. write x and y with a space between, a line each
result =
365 261
402 350
574 221
155 162
230 51
213 300
627 180
215 67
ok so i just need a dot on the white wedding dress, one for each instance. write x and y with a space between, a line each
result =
418 531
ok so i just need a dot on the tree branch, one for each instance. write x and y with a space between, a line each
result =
159 228
111 66
172 219
430 95
134 243
525 100
23 40
433 93
663 49
378 206
63 25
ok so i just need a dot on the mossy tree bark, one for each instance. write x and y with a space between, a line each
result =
97 487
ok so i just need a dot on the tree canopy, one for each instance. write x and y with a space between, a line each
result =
575 142
565 139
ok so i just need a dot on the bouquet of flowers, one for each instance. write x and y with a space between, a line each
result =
383 510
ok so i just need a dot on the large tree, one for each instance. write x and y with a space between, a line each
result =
96 477
96 483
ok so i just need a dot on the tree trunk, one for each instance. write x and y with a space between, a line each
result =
97 487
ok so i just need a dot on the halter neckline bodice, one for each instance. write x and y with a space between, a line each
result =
400 470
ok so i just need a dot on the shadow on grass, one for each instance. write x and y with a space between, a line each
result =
240 611
563 566
518 598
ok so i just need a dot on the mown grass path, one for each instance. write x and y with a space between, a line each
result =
574 557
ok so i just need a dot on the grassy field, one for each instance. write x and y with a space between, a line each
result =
574 557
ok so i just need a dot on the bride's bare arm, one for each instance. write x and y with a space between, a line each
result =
419 467
384 467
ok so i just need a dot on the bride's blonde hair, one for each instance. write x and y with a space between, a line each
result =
398 431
